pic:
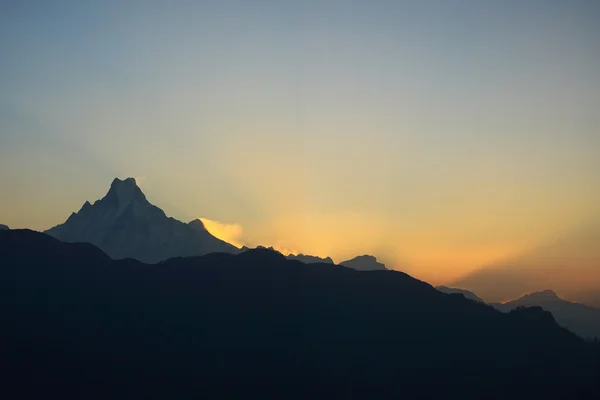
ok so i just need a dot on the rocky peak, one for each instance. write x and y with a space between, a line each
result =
125 190
122 193
197 225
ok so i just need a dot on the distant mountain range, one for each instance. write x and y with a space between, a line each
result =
255 324
124 224
578 318
360 263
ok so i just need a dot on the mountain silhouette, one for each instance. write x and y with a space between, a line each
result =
304 258
308 259
360 263
259 247
125 225
78 324
466 293
197 225
364 263
578 318
3 227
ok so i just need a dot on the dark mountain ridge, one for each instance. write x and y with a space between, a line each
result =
308 259
359 263
79 324
125 225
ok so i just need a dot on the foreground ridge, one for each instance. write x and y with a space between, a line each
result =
85 325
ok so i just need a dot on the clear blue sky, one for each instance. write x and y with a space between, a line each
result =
439 135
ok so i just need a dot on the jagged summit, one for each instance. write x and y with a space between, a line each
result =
308 259
125 191
123 186
127 181
125 224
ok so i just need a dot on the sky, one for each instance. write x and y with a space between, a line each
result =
440 136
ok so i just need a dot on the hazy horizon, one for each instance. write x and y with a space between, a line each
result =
441 137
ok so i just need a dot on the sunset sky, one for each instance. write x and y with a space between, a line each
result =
440 136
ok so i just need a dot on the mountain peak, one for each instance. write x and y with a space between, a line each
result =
197 225
125 190
127 183
544 295
366 257
124 224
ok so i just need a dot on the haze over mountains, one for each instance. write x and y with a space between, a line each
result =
570 265
84 325
591 297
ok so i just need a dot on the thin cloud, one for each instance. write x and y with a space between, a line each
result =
231 233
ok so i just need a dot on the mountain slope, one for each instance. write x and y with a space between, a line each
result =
3 227
578 318
466 293
125 225
81 325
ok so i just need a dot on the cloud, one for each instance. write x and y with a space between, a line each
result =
231 233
